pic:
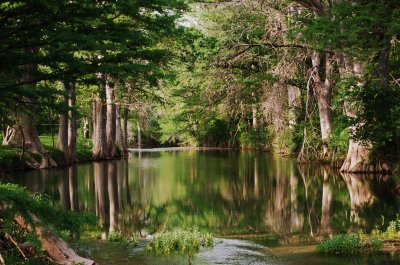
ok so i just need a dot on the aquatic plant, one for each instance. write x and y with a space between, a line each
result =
185 242
349 244
341 245
115 236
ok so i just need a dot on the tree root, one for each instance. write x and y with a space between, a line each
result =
57 250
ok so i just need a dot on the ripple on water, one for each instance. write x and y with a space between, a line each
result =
234 251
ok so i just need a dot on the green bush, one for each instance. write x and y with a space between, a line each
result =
115 236
181 241
341 245
345 244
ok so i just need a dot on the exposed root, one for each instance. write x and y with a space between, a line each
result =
57 250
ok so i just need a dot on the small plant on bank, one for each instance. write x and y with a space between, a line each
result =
341 245
115 236
185 242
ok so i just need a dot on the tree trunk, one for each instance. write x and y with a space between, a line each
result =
51 128
323 89
139 136
72 125
294 102
55 247
27 124
86 132
99 130
358 158
62 142
118 130
111 122
125 131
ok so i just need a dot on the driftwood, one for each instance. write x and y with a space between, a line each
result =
57 250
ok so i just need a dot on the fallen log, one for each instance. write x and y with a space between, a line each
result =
57 250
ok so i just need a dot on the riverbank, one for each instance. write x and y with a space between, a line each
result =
11 158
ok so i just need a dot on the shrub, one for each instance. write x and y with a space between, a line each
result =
341 245
181 241
115 236
345 244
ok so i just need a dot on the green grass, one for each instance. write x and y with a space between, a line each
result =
10 157
83 148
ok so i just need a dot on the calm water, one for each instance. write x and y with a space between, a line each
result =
269 207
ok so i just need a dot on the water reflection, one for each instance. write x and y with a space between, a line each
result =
222 191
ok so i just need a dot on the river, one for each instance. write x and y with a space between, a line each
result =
262 208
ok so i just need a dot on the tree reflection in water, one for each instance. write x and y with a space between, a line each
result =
221 191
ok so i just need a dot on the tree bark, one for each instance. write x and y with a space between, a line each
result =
62 142
72 125
111 122
139 136
358 158
99 130
55 247
125 131
294 95
323 89
27 124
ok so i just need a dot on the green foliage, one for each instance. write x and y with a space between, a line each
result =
341 245
185 242
20 201
115 236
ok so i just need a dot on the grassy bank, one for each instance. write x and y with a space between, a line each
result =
385 239
11 159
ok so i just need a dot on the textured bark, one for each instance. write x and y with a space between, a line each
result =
27 136
294 102
62 142
55 247
99 131
139 136
358 155
86 132
323 89
72 125
125 131
111 122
